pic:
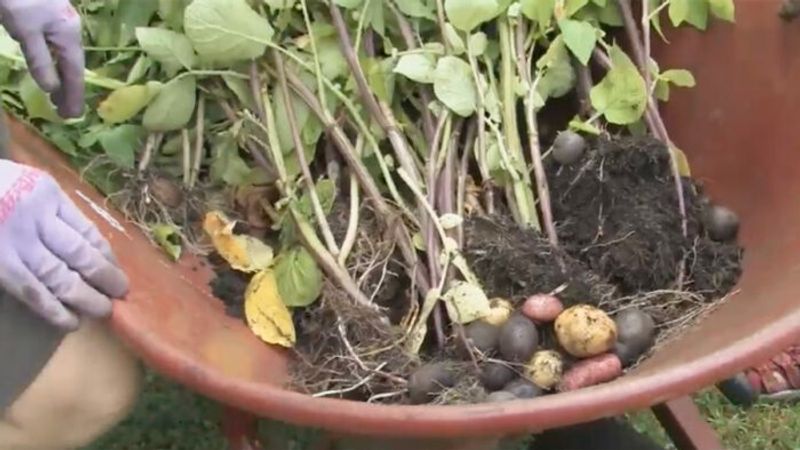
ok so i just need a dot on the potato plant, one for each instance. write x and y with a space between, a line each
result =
274 113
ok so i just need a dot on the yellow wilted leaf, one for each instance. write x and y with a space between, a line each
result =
244 253
125 102
683 163
267 315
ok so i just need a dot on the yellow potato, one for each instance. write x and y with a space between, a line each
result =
545 369
585 331
499 313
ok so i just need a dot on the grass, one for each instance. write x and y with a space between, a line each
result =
169 417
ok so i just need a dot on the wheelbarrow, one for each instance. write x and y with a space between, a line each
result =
739 128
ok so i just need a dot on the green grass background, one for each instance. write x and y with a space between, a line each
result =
169 417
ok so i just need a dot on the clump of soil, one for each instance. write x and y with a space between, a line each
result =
616 211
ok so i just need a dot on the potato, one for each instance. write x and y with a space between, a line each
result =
483 337
545 369
499 313
518 339
429 380
568 147
636 332
721 223
542 308
584 331
501 396
523 388
494 376
590 372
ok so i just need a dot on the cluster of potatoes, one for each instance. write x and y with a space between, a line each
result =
591 348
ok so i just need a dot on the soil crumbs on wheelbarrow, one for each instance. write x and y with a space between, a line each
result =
621 246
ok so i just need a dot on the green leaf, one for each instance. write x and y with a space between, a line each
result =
539 11
419 67
656 20
139 69
662 90
577 124
331 60
573 6
171 12
277 5
226 31
622 95
299 278
173 106
723 9
227 165
466 302
241 89
558 75
380 78
466 15
454 39
168 237
283 129
326 193
121 143
694 12
477 43
580 37
679 77
416 8
36 101
454 85
124 103
375 17
609 14
348 4
130 15
172 50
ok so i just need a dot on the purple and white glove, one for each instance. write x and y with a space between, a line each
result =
53 259
41 26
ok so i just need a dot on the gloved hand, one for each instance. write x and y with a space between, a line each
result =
53 258
39 24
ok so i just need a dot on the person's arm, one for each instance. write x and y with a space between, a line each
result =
53 259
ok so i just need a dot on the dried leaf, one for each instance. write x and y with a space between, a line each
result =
267 315
466 302
243 253
124 103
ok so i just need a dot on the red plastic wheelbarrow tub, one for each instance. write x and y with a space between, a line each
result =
740 128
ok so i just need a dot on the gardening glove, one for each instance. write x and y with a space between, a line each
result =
53 259
41 26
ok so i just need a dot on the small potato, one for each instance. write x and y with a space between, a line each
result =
499 312
636 332
429 380
592 371
501 396
721 223
523 388
585 331
545 369
568 147
542 308
483 337
518 339
496 375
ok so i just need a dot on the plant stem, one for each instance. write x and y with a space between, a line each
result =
381 114
198 140
299 150
186 145
327 261
657 123
266 116
357 167
355 207
523 189
424 91
463 172
542 186
252 148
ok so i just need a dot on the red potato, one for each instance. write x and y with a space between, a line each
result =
542 308
591 371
